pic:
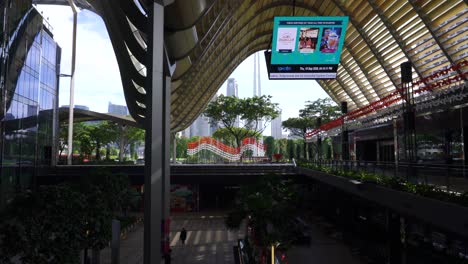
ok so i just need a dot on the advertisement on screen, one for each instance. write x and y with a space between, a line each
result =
307 47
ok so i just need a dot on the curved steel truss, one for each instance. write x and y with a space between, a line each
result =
208 39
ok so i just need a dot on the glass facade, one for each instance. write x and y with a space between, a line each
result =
29 94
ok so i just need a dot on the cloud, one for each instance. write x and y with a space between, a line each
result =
97 74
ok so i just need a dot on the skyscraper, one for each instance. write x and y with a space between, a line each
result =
276 130
29 72
202 126
117 109
257 89
232 89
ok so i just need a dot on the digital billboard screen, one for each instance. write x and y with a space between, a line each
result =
307 47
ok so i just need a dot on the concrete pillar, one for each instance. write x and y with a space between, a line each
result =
396 237
156 200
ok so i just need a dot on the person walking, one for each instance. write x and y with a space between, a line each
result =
183 235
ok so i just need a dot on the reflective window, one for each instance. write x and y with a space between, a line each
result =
27 127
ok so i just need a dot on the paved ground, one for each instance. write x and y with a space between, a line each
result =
209 242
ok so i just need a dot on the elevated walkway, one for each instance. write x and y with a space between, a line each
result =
232 173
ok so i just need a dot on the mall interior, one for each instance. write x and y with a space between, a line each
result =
400 82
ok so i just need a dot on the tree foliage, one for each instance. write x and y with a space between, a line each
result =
270 144
227 137
127 135
325 108
52 224
101 134
230 110
43 227
270 205
89 138
298 126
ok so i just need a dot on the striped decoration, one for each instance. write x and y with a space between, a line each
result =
224 151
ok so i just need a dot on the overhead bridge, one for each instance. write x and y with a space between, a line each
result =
180 173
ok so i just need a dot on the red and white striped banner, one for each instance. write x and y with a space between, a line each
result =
225 151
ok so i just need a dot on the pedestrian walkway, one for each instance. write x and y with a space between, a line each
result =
209 242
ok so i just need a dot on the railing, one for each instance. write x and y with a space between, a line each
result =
445 176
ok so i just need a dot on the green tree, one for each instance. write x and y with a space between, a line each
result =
325 108
270 146
291 146
43 226
181 150
299 126
124 136
82 138
271 207
101 134
282 146
227 110
227 137
52 224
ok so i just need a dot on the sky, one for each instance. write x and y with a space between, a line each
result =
98 82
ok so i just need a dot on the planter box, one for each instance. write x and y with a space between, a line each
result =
447 216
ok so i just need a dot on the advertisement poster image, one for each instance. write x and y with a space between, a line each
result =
286 40
308 40
330 40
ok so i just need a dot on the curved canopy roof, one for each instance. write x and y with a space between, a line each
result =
208 39
81 115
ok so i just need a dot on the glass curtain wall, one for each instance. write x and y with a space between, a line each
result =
29 94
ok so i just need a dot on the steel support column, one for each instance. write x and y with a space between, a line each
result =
156 204
72 85
396 238
409 121
344 134
319 140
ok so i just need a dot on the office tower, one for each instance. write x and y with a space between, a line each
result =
200 127
186 132
276 130
117 109
232 88
257 90
29 72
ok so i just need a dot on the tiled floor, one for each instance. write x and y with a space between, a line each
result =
209 242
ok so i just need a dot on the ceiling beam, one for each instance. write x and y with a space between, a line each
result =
427 23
